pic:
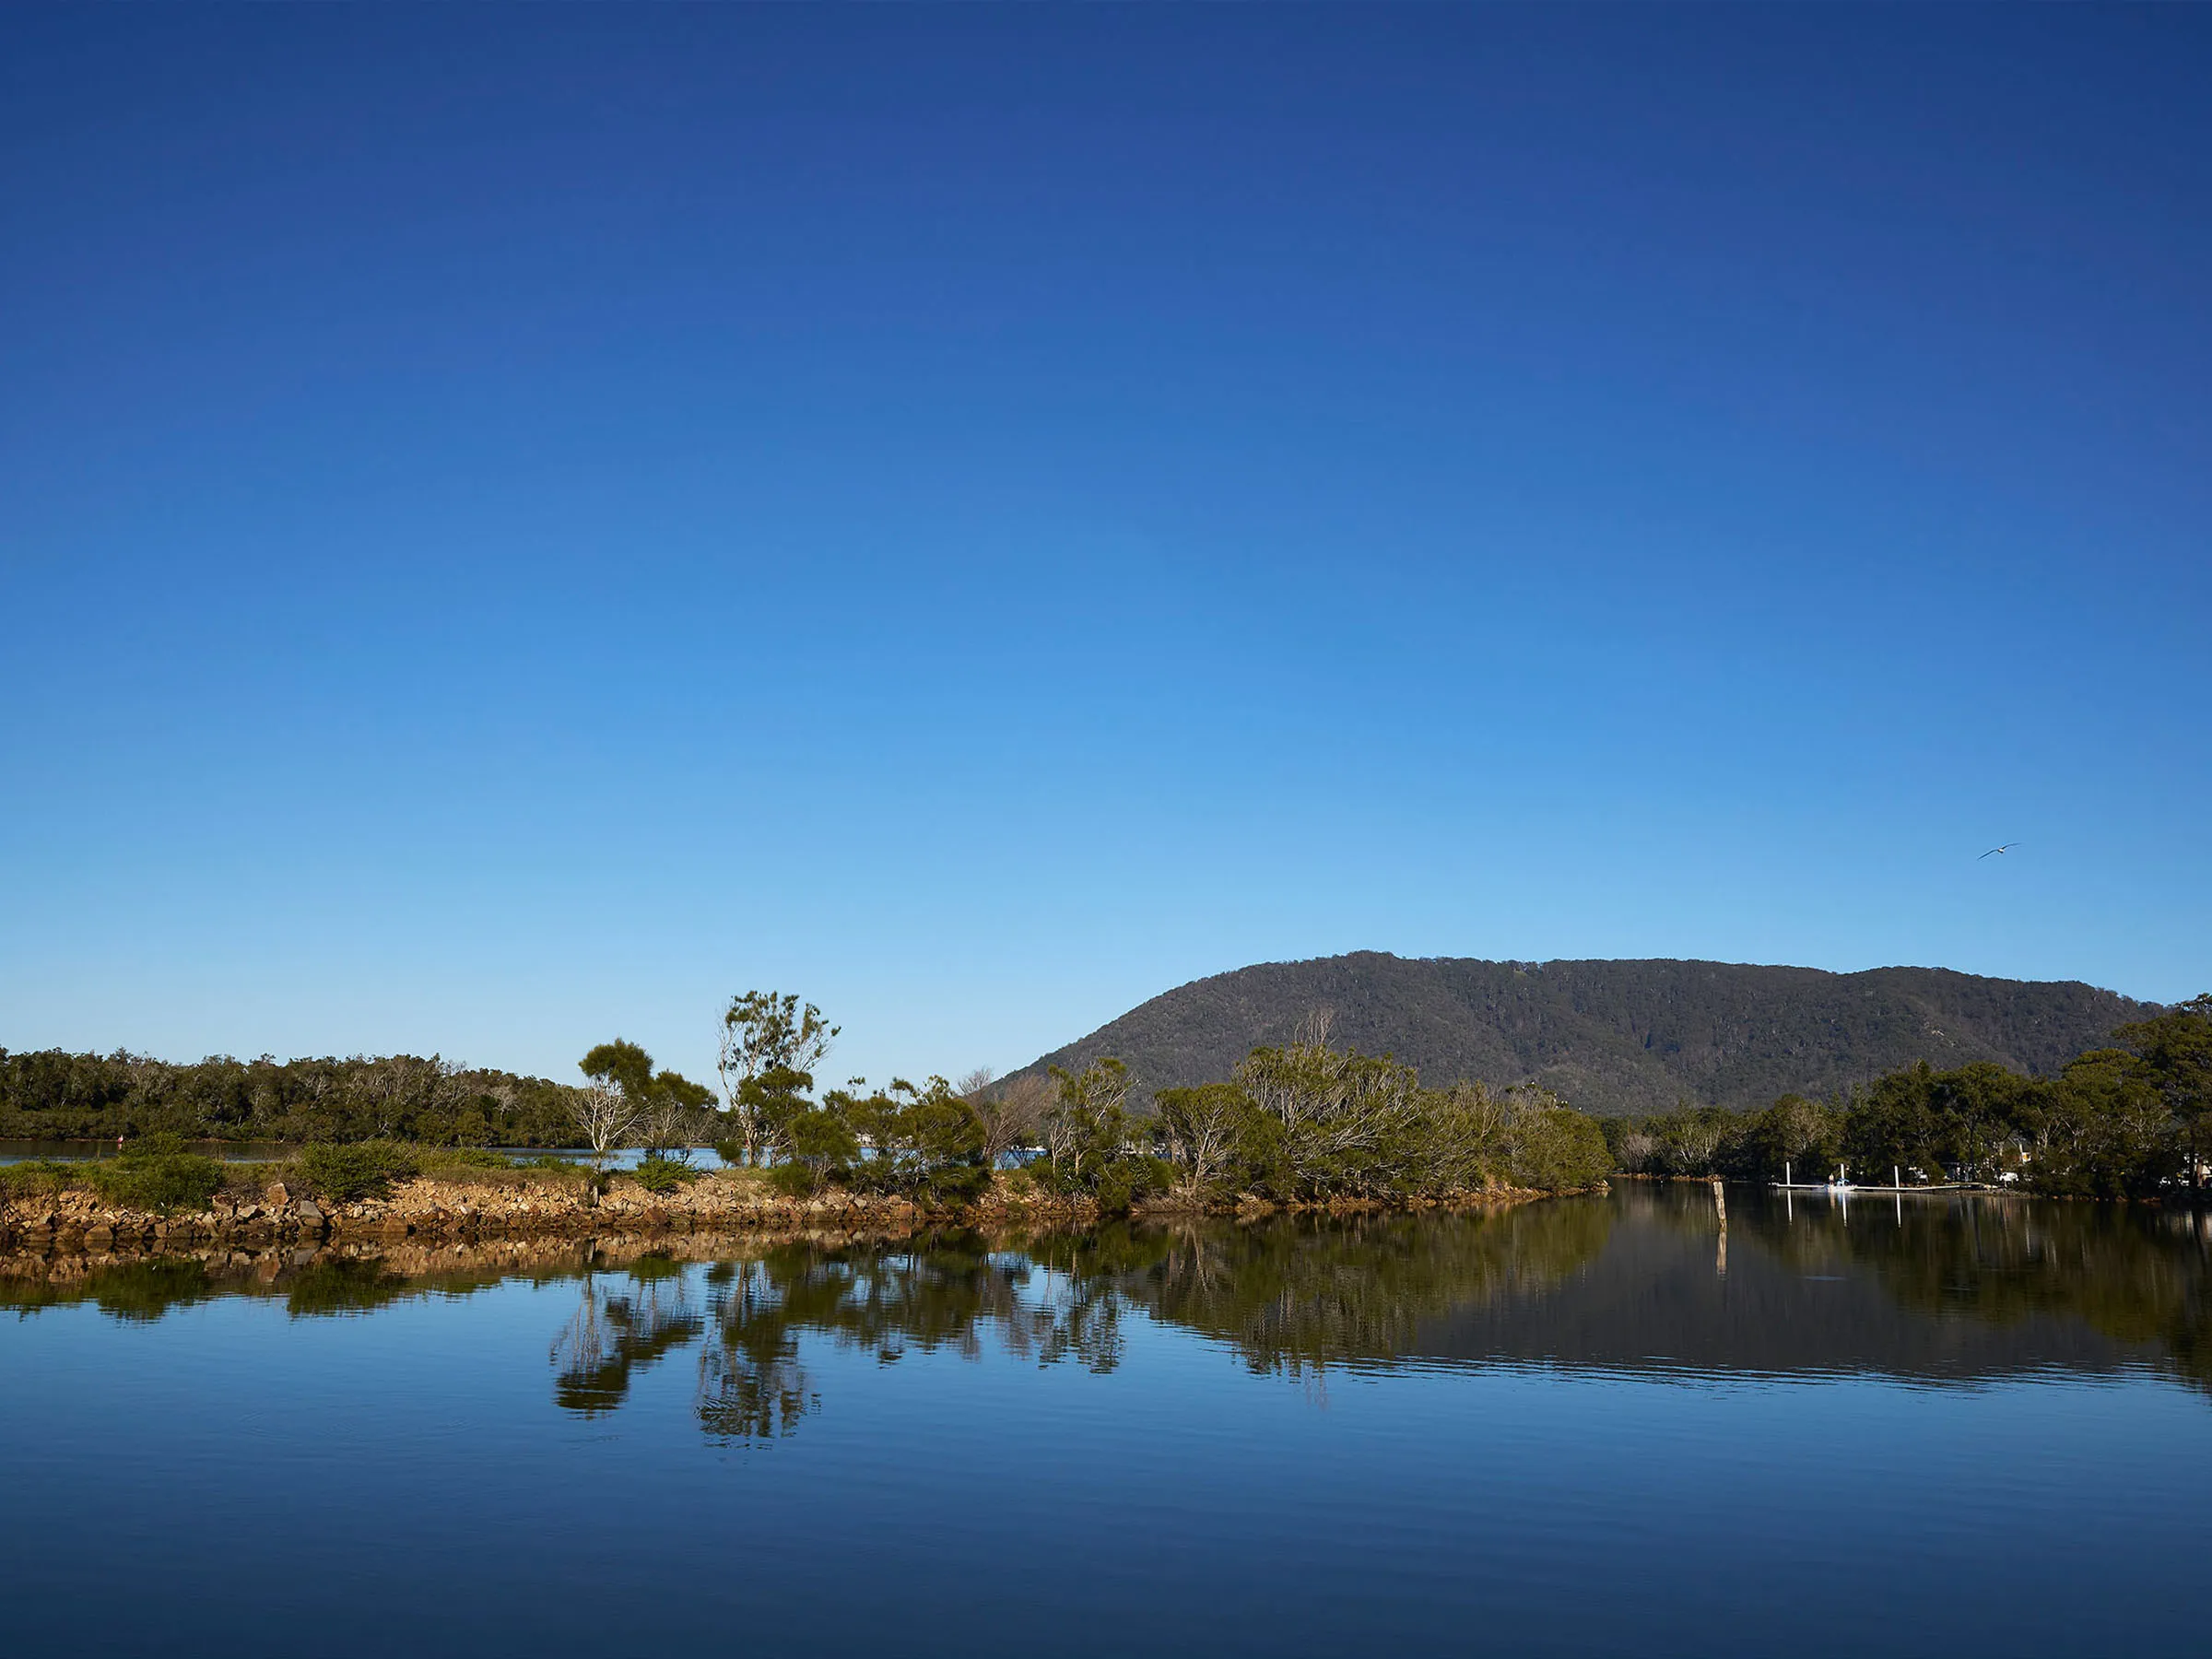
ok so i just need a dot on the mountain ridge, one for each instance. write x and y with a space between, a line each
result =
1613 1036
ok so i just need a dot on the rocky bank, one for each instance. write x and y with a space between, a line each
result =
74 1219
430 1208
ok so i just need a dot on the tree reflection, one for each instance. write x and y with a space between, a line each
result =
946 1292
621 1327
1292 1296
2133 1275
1297 1297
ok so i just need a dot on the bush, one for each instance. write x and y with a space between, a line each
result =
1559 1150
663 1175
793 1180
153 1177
1125 1180
38 1175
358 1169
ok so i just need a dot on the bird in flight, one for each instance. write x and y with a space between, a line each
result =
2007 847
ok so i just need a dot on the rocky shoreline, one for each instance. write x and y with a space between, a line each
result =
75 1220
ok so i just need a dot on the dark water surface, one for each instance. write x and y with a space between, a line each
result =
1590 1426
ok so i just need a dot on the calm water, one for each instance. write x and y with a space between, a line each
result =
1592 1426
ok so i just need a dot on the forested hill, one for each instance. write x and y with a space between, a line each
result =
1614 1037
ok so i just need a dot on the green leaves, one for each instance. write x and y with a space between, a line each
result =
1087 1137
663 1108
770 1045
359 1169
156 1176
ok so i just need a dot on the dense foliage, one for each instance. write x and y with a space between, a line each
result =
2131 1121
1613 1036
345 1172
56 1096
1304 1122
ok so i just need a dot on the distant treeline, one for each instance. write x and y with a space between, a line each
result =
55 1096
2130 1122
1305 1122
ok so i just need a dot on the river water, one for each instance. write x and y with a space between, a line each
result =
1591 1426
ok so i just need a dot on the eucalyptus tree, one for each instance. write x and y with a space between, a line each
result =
1086 1126
1331 1120
2177 1046
603 1116
924 1140
663 1106
770 1045
1010 1112
1203 1132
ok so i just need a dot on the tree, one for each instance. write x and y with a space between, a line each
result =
926 1140
1794 1135
661 1106
1010 1113
1896 1123
1202 1130
819 1143
1330 1120
2108 1132
676 1116
1086 1126
603 1116
1691 1138
2177 1046
770 1045
1551 1147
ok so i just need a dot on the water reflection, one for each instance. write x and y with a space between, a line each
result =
2140 1279
1662 1280
621 1328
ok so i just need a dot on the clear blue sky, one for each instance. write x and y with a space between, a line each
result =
517 524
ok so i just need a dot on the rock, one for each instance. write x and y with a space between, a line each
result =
278 1196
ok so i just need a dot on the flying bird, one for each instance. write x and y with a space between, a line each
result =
2007 847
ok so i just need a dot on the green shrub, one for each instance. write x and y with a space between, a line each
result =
793 1180
663 1175
1559 1150
148 1177
37 1175
355 1170
1125 1180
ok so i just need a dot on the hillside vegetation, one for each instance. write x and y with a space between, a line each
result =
1614 1038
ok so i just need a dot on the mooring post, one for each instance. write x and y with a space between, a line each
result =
1720 1209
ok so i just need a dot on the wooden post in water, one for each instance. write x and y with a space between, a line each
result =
1720 1209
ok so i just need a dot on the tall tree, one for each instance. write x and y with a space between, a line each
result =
664 1105
2177 1046
770 1045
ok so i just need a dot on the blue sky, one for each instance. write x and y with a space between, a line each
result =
516 526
